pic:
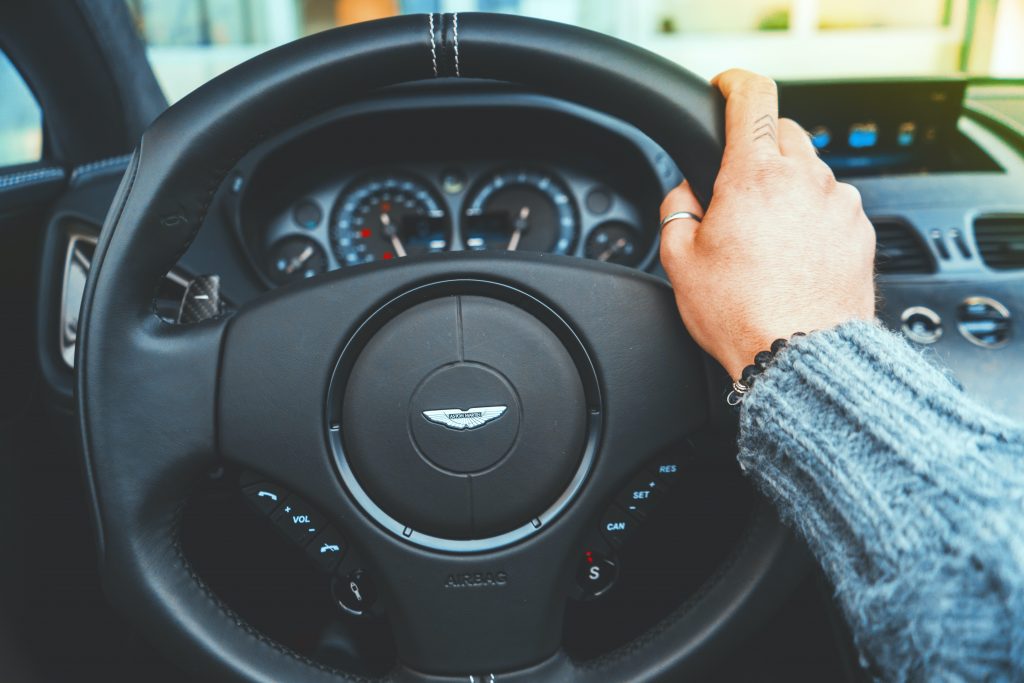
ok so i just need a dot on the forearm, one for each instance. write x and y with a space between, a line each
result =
910 495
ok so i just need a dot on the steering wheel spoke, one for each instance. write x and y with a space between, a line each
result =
148 416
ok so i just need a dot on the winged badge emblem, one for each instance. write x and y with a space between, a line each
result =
469 418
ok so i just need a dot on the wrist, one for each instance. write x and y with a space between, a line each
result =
743 356
750 373
743 352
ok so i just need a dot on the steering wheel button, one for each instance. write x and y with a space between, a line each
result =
265 496
668 469
597 573
639 497
327 549
298 520
355 592
617 525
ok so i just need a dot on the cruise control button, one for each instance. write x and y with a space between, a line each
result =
668 468
596 574
265 496
355 592
616 525
327 549
298 520
638 498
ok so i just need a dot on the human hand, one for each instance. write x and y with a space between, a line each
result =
783 247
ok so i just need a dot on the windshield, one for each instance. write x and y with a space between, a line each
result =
191 41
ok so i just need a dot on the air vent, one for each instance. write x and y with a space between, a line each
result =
900 249
1001 241
984 322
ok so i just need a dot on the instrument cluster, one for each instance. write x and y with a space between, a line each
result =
398 211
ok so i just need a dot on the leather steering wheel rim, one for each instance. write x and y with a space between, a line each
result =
150 403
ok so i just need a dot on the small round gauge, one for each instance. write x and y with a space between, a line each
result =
614 242
522 210
307 214
295 258
388 216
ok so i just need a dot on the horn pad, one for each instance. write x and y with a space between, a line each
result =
464 417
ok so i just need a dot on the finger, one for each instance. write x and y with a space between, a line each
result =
677 235
681 198
794 141
751 115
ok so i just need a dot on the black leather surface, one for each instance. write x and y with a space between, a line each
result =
146 391
644 408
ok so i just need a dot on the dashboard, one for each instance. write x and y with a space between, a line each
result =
886 127
427 168
496 172
434 167
422 208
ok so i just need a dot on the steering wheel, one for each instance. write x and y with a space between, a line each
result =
356 390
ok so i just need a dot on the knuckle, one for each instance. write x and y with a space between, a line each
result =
763 85
791 125
729 74
825 176
732 78
677 197
850 194
743 82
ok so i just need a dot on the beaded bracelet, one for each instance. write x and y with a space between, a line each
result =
742 386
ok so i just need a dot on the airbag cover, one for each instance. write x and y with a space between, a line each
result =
464 417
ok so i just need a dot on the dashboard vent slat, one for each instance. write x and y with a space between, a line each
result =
900 250
1001 241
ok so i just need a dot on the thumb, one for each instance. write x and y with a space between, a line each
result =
677 234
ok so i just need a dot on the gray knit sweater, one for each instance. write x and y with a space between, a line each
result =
910 495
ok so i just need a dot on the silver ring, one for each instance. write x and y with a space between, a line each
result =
678 214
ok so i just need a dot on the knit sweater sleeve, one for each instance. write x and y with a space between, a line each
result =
909 493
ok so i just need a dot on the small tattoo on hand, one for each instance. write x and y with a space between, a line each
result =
764 127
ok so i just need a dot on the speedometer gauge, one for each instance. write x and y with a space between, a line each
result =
388 216
520 209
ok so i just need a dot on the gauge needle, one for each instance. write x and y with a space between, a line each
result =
615 248
521 224
299 260
392 234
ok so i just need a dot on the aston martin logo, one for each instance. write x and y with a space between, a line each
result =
469 418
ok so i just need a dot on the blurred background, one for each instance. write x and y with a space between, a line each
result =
191 41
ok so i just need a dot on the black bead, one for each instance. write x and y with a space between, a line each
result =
763 358
799 334
749 373
778 345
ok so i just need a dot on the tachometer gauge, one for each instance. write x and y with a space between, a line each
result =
522 210
295 258
388 216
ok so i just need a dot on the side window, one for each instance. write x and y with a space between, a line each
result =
21 119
